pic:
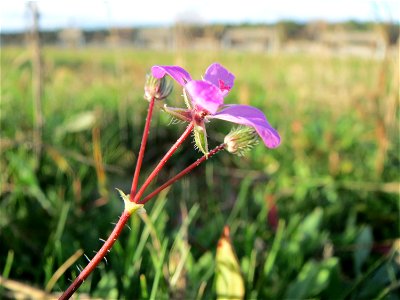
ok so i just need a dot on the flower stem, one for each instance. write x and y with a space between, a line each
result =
98 257
142 148
163 161
126 214
182 173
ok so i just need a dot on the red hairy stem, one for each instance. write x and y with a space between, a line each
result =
162 162
126 214
142 148
182 173
98 257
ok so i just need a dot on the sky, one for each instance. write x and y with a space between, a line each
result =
14 15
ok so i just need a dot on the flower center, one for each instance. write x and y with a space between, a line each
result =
199 115
223 86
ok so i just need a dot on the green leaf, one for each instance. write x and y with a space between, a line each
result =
107 286
229 280
313 278
79 122
363 245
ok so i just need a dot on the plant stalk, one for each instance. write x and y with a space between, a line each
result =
126 214
98 257
162 162
182 173
142 148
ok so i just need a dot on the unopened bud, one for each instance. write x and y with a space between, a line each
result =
157 88
240 140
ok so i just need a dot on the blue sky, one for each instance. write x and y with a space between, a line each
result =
90 14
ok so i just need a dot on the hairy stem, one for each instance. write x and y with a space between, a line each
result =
98 257
126 214
142 148
163 161
182 173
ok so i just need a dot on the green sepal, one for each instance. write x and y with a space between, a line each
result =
187 101
130 206
200 138
182 114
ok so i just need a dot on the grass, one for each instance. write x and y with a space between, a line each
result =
334 180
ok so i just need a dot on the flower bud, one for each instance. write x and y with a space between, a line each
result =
159 88
240 140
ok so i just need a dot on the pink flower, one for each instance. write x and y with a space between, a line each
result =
207 99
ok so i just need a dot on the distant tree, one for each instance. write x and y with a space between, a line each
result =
357 25
291 29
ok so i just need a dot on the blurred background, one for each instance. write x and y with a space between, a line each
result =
317 217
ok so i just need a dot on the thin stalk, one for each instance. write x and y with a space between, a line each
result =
163 161
98 257
182 173
126 214
37 82
142 148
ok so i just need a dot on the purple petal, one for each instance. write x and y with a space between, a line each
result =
205 95
176 72
220 77
251 116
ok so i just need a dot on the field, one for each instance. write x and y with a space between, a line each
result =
317 217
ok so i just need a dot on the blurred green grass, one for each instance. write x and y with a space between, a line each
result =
334 180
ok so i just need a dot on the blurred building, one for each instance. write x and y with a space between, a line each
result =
160 38
366 44
71 37
319 38
263 39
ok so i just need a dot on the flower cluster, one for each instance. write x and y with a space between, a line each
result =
205 101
